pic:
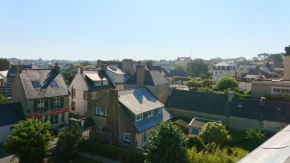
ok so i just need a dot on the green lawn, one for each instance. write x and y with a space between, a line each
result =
75 159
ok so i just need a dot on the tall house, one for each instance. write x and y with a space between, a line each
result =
13 70
43 94
223 69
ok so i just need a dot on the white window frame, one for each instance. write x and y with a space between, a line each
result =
101 111
280 90
159 110
56 102
127 137
94 95
144 136
40 104
140 117
97 83
150 113
105 82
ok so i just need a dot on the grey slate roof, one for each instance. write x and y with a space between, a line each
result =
44 76
13 70
152 77
276 149
102 75
138 100
11 114
179 73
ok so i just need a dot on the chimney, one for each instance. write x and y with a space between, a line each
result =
56 67
104 67
140 75
287 64
19 68
32 66
150 65
263 101
112 118
80 70
127 65
231 95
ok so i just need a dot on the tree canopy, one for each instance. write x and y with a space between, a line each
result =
196 67
4 64
178 67
166 144
214 132
277 60
30 141
3 100
226 82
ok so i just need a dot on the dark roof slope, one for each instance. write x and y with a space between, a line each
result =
11 114
179 73
167 73
102 75
44 77
198 101
152 77
118 63
13 70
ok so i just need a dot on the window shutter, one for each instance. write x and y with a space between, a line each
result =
51 103
46 104
35 106
61 102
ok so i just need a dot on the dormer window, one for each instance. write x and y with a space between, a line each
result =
53 84
150 113
105 82
36 84
159 110
97 83
139 117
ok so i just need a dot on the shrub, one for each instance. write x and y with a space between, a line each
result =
254 137
226 82
214 132
195 141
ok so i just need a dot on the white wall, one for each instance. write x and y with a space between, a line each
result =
80 86
112 76
4 132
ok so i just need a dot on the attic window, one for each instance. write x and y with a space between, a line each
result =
36 84
53 83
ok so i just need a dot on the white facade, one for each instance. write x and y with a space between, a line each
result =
223 69
80 86
5 131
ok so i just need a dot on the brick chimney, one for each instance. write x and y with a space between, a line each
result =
32 66
127 65
56 67
113 117
104 67
287 64
19 68
140 75
263 101
80 70
150 65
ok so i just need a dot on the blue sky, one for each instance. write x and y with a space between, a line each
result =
142 29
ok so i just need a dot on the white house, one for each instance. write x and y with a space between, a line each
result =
222 69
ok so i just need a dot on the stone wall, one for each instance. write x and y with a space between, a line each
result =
260 89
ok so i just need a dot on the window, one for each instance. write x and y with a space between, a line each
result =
53 83
100 129
159 110
281 90
40 104
144 136
36 84
56 102
73 92
46 118
139 117
62 117
101 111
127 137
94 95
54 119
85 95
150 113
73 105
105 82
97 83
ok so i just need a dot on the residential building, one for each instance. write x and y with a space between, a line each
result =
3 78
274 87
131 116
43 94
68 67
244 69
182 61
10 115
13 71
197 123
169 74
222 69
87 88
6 91
165 64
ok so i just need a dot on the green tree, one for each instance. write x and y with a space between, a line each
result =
166 144
226 82
30 141
263 56
4 64
255 59
206 83
254 137
243 62
214 132
196 67
277 59
3 100
196 141
193 84
178 67
70 139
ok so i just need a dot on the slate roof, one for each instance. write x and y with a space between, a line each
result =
11 114
157 68
44 76
276 149
13 70
198 101
101 75
181 123
138 100
179 73
118 63
152 77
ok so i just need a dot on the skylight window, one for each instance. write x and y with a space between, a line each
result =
53 83
36 84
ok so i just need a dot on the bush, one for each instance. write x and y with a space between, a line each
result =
195 141
226 82
214 132
254 137
209 90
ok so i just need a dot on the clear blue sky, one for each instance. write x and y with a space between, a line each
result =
142 29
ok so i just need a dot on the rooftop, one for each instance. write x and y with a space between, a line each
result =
11 114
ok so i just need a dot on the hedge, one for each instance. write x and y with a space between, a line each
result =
112 152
